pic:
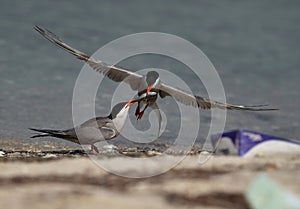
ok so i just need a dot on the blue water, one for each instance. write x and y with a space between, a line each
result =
254 46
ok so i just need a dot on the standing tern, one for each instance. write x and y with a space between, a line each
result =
88 132
146 83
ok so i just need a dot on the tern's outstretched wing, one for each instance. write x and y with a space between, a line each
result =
200 102
114 73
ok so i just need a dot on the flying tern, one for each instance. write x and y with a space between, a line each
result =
148 86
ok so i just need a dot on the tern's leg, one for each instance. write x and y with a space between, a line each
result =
94 150
140 115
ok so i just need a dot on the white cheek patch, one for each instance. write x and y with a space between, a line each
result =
156 82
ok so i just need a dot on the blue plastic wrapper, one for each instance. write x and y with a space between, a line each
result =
250 143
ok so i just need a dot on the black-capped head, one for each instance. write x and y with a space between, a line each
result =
151 77
116 109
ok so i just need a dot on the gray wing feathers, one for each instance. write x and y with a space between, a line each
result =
203 103
108 133
92 131
114 73
58 42
100 123
178 95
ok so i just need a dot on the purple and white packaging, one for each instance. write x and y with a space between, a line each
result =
250 143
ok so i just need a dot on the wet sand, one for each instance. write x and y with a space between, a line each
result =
67 178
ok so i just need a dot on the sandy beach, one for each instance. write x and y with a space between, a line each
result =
70 179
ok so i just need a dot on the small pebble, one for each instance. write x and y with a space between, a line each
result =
110 147
153 153
50 156
16 154
205 153
134 149
2 154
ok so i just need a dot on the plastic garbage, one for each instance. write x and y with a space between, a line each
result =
250 143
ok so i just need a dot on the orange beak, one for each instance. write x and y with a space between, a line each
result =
149 89
131 102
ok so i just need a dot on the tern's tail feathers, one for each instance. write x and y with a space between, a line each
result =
49 132
58 42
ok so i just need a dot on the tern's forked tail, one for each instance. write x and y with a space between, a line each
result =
48 132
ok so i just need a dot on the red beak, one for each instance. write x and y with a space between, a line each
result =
149 89
131 102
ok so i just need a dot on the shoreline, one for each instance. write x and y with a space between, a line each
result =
14 150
